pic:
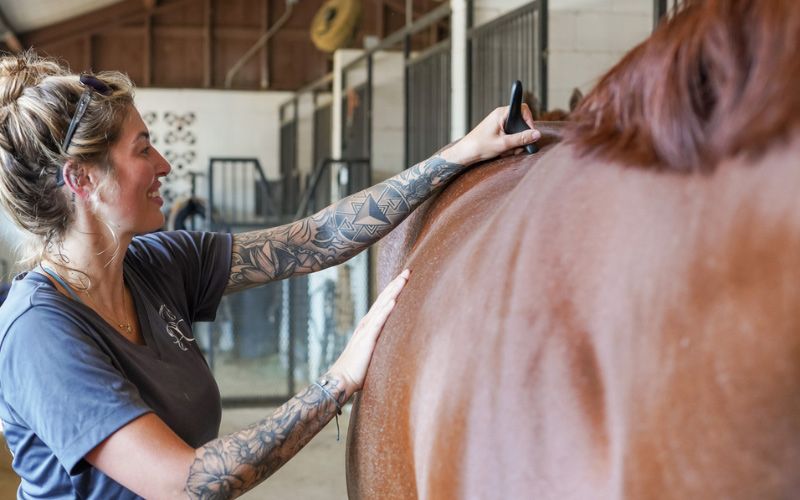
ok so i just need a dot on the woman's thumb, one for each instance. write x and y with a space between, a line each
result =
526 137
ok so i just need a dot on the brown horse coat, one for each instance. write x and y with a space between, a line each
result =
595 322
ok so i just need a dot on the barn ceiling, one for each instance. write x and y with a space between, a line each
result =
26 15
195 43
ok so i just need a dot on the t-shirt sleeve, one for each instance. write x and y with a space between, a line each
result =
62 386
201 259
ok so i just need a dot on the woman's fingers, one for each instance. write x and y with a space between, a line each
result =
385 302
527 115
521 139
354 360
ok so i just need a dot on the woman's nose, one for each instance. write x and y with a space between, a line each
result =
164 168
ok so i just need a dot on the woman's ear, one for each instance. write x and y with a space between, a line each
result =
77 179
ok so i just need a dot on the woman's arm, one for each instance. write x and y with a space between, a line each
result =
229 466
335 233
149 459
340 231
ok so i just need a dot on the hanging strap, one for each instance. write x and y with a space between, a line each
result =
61 282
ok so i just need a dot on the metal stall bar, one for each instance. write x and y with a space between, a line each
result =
501 52
390 41
427 102
664 8
659 11
246 325
322 125
427 78
288 156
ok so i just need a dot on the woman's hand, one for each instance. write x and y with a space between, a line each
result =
351 367
488 140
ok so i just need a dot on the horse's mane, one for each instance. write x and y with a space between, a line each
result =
718 79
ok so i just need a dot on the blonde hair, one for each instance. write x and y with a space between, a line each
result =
38 97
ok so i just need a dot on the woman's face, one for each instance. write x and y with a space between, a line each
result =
134 204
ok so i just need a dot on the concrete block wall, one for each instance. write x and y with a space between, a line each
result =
388 117
587 37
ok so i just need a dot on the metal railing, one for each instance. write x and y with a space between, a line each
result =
247 329
357 121
322 130
239 195
427 102
511 47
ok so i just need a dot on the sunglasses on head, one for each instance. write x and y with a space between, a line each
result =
93 85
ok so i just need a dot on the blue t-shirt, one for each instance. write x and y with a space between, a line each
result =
68 380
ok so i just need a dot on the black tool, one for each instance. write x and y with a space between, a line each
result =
514 122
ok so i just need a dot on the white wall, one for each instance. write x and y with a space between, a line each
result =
587 37
225 124
486 10
388 116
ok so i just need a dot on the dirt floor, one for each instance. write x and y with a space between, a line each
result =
316 473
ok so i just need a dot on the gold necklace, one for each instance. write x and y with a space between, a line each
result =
125 325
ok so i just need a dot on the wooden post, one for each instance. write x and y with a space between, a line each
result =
264 66
208 40
87 52
147 59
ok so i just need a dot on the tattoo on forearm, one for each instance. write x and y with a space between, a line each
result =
229 466
337 232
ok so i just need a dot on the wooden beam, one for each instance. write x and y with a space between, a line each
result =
147 57
400 7
103 20
380 19
208 41
87 53
150 4
264 66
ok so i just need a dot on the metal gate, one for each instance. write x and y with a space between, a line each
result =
512 47
427 102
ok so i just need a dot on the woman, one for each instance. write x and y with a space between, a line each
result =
103 390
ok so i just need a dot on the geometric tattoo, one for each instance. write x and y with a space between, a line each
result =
336 233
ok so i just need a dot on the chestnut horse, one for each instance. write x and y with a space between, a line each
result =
617 316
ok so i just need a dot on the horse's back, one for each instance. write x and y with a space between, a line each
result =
582 330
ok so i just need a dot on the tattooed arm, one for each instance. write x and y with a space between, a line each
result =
337 232
350 225
229 466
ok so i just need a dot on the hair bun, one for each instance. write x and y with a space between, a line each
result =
17 72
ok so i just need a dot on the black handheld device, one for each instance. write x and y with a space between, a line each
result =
514 123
